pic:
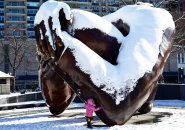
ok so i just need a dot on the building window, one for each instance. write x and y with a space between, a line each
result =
17 33
1 33
32 11
1 3
31 33
30 25
18 3
30 18
84 7
1 18
1 10
180 57
2 81
95 8
95 1
1 25
16 11
33 4
113 9
15 18
85 1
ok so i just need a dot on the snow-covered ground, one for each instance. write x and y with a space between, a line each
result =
9 95
14 94
172 118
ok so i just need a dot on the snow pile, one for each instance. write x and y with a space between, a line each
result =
4 75
138 54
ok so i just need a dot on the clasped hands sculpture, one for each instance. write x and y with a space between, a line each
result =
116 59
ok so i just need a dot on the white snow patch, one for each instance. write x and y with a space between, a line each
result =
14 94
51 9
87 20
142 17
81 20
9 95
4 75
23 103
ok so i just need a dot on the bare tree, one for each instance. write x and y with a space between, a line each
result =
179 18
1 56
100 7
179 41
14 46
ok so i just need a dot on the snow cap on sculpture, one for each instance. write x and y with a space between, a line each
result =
52 11
94 21
138 54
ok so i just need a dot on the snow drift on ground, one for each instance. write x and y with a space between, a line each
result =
73 119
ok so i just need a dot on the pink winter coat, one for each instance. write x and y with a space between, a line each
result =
90 108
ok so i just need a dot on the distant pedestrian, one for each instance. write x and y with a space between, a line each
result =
90 108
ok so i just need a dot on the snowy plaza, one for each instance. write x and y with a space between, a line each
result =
166 115
113 64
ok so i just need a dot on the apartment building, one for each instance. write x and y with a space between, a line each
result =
1 17
21 13
103 7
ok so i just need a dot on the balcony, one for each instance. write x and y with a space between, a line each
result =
15 22
78 3
16 0
15 7
15 14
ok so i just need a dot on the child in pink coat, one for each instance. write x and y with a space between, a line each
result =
90 108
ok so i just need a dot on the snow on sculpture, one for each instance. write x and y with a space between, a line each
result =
116 59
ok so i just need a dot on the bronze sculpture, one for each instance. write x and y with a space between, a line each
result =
62 74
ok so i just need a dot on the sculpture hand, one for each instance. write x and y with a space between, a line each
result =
47 42
44 43
57 93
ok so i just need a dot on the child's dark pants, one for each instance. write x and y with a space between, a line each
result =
89 119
